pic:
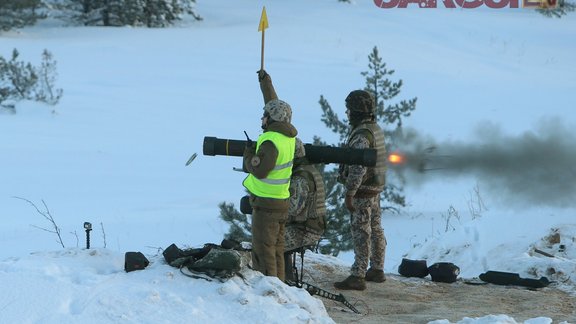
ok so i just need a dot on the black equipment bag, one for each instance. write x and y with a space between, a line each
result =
135 261
444 272
413 268
509 278
500 278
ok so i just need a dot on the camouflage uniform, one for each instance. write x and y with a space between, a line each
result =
307 211
366 220
363 188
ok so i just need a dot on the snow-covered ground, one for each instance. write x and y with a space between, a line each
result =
138 102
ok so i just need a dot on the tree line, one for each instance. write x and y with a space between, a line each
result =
138 13
114 13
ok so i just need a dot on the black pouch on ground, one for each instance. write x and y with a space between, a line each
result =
231 244
509 278
413 268
172 253
444 272
135 261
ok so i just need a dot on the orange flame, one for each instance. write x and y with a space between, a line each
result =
396 158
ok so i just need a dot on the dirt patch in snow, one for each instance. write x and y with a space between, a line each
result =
413 300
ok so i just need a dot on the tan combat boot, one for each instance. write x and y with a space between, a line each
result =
351 283
375 275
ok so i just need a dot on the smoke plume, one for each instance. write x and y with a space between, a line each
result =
533 168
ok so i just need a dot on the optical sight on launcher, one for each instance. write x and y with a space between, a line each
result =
314 153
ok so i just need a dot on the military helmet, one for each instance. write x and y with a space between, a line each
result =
300 151
278 110
360 101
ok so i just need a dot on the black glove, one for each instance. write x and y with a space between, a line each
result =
262 74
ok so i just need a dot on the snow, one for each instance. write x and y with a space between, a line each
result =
138 102
89 286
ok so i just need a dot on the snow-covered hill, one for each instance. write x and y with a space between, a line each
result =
138 102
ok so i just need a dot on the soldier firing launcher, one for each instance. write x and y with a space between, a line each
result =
314 153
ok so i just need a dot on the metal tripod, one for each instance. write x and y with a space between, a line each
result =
310 288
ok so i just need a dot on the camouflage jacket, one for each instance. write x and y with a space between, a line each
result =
361 180
307 199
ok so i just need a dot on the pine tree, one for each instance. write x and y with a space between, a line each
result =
149 13
22 81
562 9
17 80
19 13
45 90
158 13
240 228
337 236
84 12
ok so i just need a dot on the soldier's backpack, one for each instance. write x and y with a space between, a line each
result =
444 272
218 263
211 261
413 268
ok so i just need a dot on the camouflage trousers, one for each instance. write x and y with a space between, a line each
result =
368 236
268 242
297 236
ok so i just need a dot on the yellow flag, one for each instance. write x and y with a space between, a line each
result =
263 20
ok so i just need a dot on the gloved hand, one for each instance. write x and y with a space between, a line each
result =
262 74
349 204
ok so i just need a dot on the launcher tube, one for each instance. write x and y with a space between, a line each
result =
314 153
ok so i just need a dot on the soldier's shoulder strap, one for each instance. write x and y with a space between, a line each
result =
308 175
366 132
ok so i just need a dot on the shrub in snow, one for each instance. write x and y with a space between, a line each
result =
23 81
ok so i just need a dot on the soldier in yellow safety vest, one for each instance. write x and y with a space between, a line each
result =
269 164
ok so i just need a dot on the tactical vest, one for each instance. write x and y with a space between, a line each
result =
314 211
375 176
277 183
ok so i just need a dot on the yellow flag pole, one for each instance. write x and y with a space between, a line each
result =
262 52
262 27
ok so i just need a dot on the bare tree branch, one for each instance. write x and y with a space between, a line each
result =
46 214
77 239
103 233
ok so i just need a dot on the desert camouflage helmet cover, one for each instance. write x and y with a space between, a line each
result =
361 101
300 151
279 110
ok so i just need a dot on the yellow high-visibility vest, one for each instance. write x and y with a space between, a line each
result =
277 183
